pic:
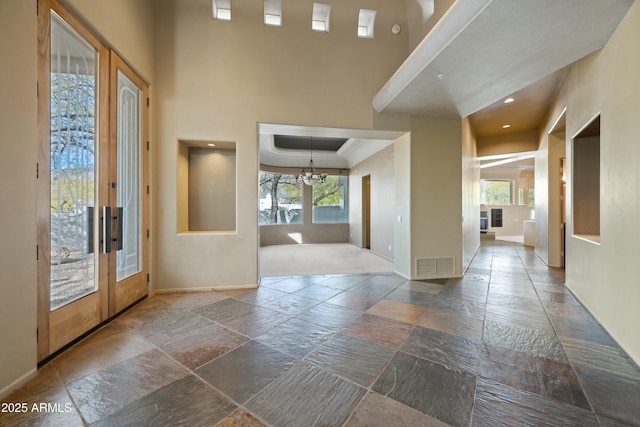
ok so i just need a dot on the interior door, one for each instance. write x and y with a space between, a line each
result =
128 188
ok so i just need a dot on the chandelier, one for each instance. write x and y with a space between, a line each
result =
309 174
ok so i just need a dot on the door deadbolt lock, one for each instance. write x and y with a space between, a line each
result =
114 185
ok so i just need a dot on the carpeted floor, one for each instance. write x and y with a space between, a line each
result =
329 258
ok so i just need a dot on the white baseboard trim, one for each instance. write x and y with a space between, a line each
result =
205 289
18 383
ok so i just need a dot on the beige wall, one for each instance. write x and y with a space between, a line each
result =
402 206
510 143
380 167
470 195
418 28
218 80
212 189
133 37
17 191
436 187
605 276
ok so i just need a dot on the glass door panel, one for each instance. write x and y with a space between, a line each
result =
128 259
73 106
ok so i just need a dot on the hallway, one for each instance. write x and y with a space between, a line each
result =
506 345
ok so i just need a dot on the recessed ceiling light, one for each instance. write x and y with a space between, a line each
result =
506 126
211 145
509 100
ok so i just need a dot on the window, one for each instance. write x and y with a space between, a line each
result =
320 17
495 192
280 199
221 10
330 200
273 12
366 19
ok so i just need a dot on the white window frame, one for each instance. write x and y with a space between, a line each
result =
221 10
273 13
366 21
320 17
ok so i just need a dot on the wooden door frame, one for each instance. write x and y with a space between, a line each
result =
122 295
98 300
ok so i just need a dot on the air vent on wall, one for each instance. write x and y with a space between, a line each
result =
435 267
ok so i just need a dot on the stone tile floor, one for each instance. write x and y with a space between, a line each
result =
506 345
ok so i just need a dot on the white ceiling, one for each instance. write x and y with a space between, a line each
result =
361 144
482 51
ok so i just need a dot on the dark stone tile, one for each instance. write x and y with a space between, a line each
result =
527 340
515 302
528 319
318 292
460 306
355 301
296 337
330 316
187 401
292 284
562 296
452 323
167 329
203 345
381 330
411 297
377 410
604 358
379 290
243 372
111 344
45 387
427 287
352 358
104 392
344 282
399 311
386 279
225 310
556 309
524 290
500 405
429 387
191 300
466 289
613 396
305 396
240 418
549 378
256 322
449 350
585 331
291 304
261 296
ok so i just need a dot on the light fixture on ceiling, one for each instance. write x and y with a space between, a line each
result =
309 175
509 100
506 126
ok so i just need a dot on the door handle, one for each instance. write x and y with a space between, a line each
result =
90 211
119 236
106 229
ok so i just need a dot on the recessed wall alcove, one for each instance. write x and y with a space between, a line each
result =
586 182
206 183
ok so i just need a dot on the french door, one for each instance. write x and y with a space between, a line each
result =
92 163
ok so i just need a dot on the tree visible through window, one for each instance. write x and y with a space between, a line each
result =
495 192
280 199
330 200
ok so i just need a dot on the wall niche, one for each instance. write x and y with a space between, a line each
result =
206 186
586 182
